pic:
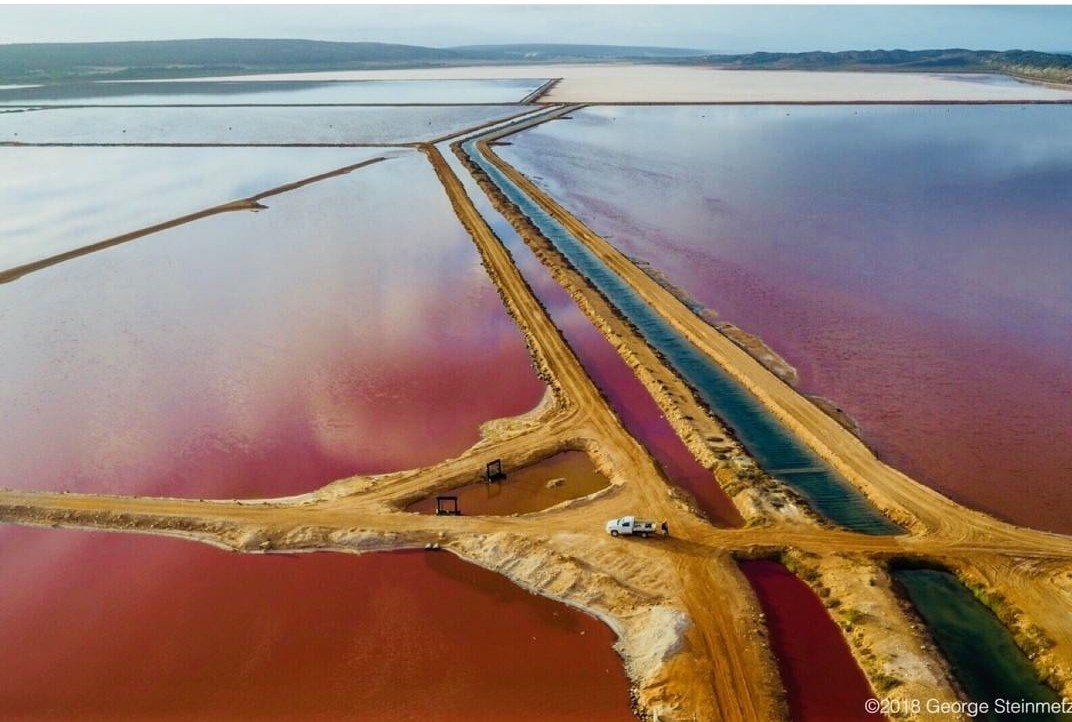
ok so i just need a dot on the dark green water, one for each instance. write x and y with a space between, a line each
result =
979 648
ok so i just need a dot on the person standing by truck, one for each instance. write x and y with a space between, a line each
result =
666 528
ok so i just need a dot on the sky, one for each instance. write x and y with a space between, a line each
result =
720 28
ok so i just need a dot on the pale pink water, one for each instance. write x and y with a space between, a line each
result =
341 331
912 262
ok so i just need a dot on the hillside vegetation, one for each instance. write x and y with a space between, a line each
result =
1047 67
54 62
44 62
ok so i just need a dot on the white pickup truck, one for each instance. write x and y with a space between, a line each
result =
630 525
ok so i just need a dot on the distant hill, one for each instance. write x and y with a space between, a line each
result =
42 62
1048 67
551 51
50 62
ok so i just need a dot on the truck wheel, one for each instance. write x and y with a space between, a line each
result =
645 535
614 532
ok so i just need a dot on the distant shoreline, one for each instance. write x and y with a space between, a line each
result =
48 63
621 83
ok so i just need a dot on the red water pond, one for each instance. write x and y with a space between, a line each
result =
821 678
343 330
121 627
911 262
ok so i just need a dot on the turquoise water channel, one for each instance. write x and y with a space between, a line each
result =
777 450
